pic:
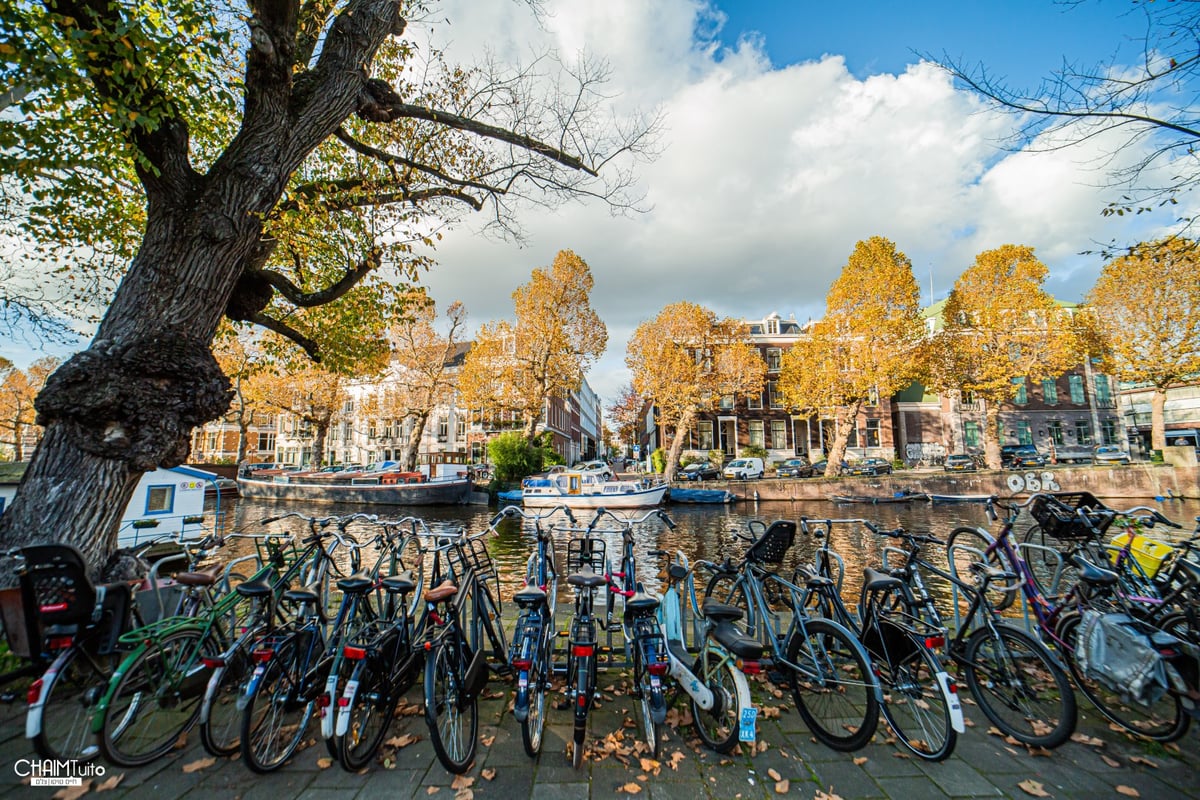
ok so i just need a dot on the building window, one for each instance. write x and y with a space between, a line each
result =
754 401
774 359
1103 394
1076 384
726 402
704 429
778 434
266 441
1021 397
1050 391
756 433
460 428
160 499
371 429
772 327
773 395
852 435
971 434
1024 434
1055 429
212 441
1083 431
1108 429
873 433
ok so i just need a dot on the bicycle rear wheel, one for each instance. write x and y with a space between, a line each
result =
650 703
717 727
965 546
371 711
72 688
277 714
450 711
1017 686
157 699
221 719
914 705
834 687
1163 720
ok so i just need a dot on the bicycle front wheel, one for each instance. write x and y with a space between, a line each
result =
834 688
277 714
914 704
1018 686
717 727
72 689
535 719
650 703
965 546
156 700
1163 720
450 711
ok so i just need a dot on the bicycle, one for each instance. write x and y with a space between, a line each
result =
456 667
1162 716
298 664
722 710
534 637
825 665
384 654
155 694
920 699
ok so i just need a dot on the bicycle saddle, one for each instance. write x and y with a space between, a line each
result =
531 595
357 583
201 577
737 642
1090 573
399 584
874 581
586 578
443 591
260 587
641 603
306 594
719 612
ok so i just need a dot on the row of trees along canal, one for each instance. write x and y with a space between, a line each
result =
292 174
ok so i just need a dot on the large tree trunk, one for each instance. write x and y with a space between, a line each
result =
1158 420
320 434
846 417
408 458
681 431
529 429
991 440
18 448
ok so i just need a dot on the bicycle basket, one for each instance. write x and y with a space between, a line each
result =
585 553
1057 515
773 545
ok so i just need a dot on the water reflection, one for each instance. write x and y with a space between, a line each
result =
702 532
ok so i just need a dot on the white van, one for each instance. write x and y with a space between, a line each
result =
743 469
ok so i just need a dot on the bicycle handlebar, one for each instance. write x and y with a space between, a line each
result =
517 511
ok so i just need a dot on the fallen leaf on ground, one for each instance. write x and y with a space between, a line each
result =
402 741
775 776
324 763
461 782
488 774
1112 762
199 764
1033 788
860 761
1143 761
73 792
1091 741
820 795
1128 791
110 783
781 787
487 740
464 794
631 788
433 790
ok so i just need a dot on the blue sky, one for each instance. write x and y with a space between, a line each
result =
1023 40
801 129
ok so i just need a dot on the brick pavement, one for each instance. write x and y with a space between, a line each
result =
983 765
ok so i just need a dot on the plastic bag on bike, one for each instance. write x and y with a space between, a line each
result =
1113 650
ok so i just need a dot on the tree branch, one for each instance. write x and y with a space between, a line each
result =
303 299
286 331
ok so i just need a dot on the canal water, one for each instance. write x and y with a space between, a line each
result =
702 531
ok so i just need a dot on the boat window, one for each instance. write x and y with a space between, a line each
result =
160 499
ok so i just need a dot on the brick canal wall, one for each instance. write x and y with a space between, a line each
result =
1138 481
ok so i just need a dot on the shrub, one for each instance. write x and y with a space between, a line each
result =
717 457
658 460
513 457
754 451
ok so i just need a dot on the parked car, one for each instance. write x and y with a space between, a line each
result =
1109 454
598 467
820 467
870 466
794 468
743 469
959 462
700 471
1019 456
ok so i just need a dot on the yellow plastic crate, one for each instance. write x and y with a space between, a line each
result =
1149 553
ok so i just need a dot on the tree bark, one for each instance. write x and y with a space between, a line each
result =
991 440
846 417
681 431
408 459
1158 419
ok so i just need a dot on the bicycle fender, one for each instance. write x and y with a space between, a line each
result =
950 692
251 687
214 680
521 701
327 715
102 706
33 717
343 708
747 713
